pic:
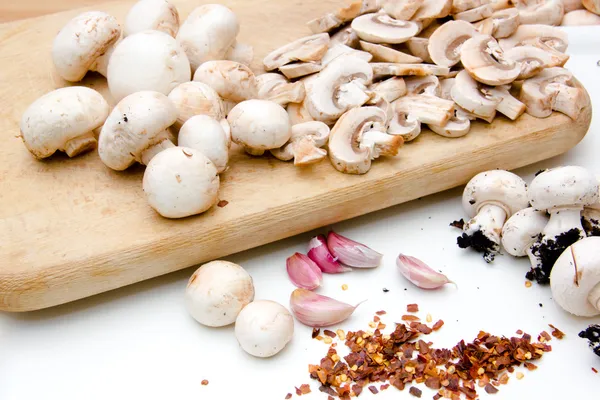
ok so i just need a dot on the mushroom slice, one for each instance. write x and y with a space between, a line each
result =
345 36
552 89
338 49
402 9
545 34
549 12
241 53
347 152
405 125
298 113
419 48
381 28
533 59
501 24
458 125
381 102
297 70
390 89
475 14
304 146
426 108
231 80
508 105
387 54
579 18
429 84
445 43
334 19
459 6
276 88
309 48
433 9
341 85
387 69
474 98
498 5
483 58
592 6
445 93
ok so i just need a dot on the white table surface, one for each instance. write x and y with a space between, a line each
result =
138 342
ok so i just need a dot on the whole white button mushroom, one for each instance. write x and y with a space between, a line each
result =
149 60
575 278
180 181
159 15
136 130
522 231
206 135
231 80
590 217
263 328
63 120
217 292
83 45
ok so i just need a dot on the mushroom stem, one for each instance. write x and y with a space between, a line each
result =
563 219
489 221
153 150
380 143
533 259
101 64
80 144
254 152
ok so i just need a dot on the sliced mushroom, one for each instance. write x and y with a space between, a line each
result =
501 24
390 89
592 6
379 101
231 80
572 5
580 18
388 54
552 89
419 48
459 6
389 69
304 146
351 146
533 59
458 125
381 28
345 36
446 93
483 58
446 42
429 26
276 88
545 34
508 105
474 98
548 12
241 53
341 85
297 70
433 9
475 14
500 4
309 48
429 84
402 9
298 113
427 109
405 125
195 98
334 19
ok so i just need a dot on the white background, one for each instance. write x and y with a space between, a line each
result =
139 343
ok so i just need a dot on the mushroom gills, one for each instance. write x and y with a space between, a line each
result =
485 61
309 48
429 84
533 59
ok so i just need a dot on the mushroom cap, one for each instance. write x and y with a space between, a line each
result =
483 58
475 14
180 181
580 17
496 187
458 125
337 49
240 52
549 35
206 135
592 5
570 186
446 41
217 292
149 60
208 33
308 48
571 5
522 229
574 275
79 43
429 84
381 28
433 9
159 15
548 12
263 328
468 94
137 122
59 116
402 9
231 80
259 124
196 98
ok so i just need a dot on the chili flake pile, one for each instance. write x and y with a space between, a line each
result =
402 358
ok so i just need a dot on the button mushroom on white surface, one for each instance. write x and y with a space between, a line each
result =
231 80
575 278
180 182
489 199
195 98
83 45
522 231
206 135
304 146
580 18
149 60
217 292
136 130
263 328
159 15
63 120
590 217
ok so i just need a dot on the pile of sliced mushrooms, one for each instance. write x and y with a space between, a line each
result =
364 83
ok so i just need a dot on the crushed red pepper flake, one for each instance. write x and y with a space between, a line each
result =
415 391
437 325
329 333
288 396
305 388
330 398
373 389
204 382
595 370
410 318
490 389
382 312
222 203
376 319
315 332
557 333
412 308
298 392
384 387
519 332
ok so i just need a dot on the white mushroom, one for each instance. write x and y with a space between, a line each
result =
460 123
571 5
501 4
548 12
276 88
336 49
63 120
533 60
445 43
381 28
388 54
483 58
473 97
393 69
358 137
508 105
490 198
263 328
208 33
429 84
332 20
522 231
180 182
217 292
135 130
297 70
309 48
475 14
241 53
545 34
433 9
304 146
579 18
390 89
149 60
590 218
419 47
206 135
459 6
231 80
425 108
402 9
553 89
259 125
298 113
592 6
575 278
501 24
159 15
404 125
195 98
82 45
345 36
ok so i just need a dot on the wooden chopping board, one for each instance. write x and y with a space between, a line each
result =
71 228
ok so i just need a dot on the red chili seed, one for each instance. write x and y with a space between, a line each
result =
329 333
288 396
305 388
204 382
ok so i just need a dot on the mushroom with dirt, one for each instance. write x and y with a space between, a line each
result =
180 182
381 28
84 44
485 61
309 48
231 80
136 130
159 15
575 278
521 232
489 199
445 43
580 18
563 192
206 135
304 146
149 60
63 120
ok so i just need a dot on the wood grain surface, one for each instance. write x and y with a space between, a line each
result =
71 228
11 10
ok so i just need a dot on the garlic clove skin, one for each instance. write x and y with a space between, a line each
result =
303 272
318 311
420 274
351 253
320 254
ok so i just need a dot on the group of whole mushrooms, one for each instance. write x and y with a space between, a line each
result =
366 80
